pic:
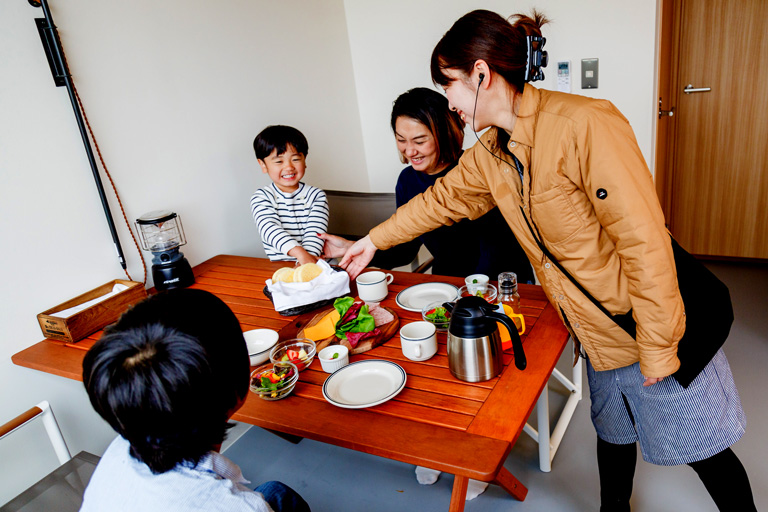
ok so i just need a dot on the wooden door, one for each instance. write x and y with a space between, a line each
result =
714 186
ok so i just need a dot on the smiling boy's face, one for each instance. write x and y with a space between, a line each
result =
286 169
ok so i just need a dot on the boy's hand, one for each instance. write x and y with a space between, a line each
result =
335 246
358 256
302 256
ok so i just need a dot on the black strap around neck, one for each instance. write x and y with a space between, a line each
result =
625 320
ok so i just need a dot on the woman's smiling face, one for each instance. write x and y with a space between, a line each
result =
417 144
462 98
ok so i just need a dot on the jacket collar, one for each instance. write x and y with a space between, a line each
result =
525 126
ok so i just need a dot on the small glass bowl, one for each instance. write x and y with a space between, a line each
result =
429 308
489 293
280 351
287 383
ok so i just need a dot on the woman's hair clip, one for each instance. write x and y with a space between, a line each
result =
537 58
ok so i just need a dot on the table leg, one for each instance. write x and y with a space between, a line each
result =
509 483
459 494
542 414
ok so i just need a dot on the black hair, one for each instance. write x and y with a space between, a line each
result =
432 109
168 374
278 137
486 35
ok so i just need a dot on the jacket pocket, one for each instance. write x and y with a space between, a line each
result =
555 216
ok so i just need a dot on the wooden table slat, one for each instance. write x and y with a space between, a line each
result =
411 394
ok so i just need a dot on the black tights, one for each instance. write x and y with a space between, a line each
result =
722 474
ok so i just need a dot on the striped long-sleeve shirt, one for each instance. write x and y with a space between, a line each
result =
288 220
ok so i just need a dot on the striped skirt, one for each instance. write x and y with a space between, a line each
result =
673 425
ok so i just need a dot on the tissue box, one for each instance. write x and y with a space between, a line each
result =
93 318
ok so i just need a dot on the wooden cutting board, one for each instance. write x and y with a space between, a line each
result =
387 331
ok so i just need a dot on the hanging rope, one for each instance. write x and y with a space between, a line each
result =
111 182
54 48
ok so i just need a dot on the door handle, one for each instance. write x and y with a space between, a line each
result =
690 88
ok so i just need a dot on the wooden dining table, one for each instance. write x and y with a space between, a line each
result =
436 421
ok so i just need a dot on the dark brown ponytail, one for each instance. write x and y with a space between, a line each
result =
485 35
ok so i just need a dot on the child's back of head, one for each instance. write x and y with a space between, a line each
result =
168 375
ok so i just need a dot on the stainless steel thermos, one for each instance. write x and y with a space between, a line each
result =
474 343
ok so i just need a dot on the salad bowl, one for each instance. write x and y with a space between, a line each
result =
437 314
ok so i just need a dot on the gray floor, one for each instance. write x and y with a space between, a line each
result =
335 479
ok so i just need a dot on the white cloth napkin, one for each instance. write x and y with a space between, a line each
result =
328 285
66 313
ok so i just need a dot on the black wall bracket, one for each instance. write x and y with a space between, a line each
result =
55 55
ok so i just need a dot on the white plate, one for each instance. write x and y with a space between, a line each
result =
364 384
415 297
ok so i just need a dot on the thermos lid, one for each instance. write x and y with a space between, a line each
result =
469 318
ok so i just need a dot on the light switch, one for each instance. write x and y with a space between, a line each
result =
589 73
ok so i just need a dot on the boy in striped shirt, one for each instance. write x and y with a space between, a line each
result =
288 213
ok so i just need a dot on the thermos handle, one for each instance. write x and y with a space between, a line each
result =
517 345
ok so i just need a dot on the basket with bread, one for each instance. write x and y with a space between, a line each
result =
296 290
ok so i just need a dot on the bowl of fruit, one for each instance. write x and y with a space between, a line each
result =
437 314
299 351
273 381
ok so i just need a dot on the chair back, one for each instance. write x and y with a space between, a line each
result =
61 490
353 214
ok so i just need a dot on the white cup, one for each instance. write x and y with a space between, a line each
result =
418 340
372 286
476 282
331 364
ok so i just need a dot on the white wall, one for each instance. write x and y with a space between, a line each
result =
392 43
175 91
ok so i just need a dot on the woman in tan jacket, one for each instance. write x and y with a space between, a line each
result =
566 173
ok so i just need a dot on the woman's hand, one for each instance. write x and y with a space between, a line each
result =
358 256
334 246
650 381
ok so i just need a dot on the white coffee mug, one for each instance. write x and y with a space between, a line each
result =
372 286
418 340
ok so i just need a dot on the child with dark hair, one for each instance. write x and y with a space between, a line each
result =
288 213
167 377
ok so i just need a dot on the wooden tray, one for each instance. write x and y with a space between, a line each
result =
387 331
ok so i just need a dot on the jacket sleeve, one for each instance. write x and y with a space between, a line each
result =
462 193
617 182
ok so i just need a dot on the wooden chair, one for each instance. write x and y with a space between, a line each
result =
353 214
61 490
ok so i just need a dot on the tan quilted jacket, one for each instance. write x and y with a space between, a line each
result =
589 193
